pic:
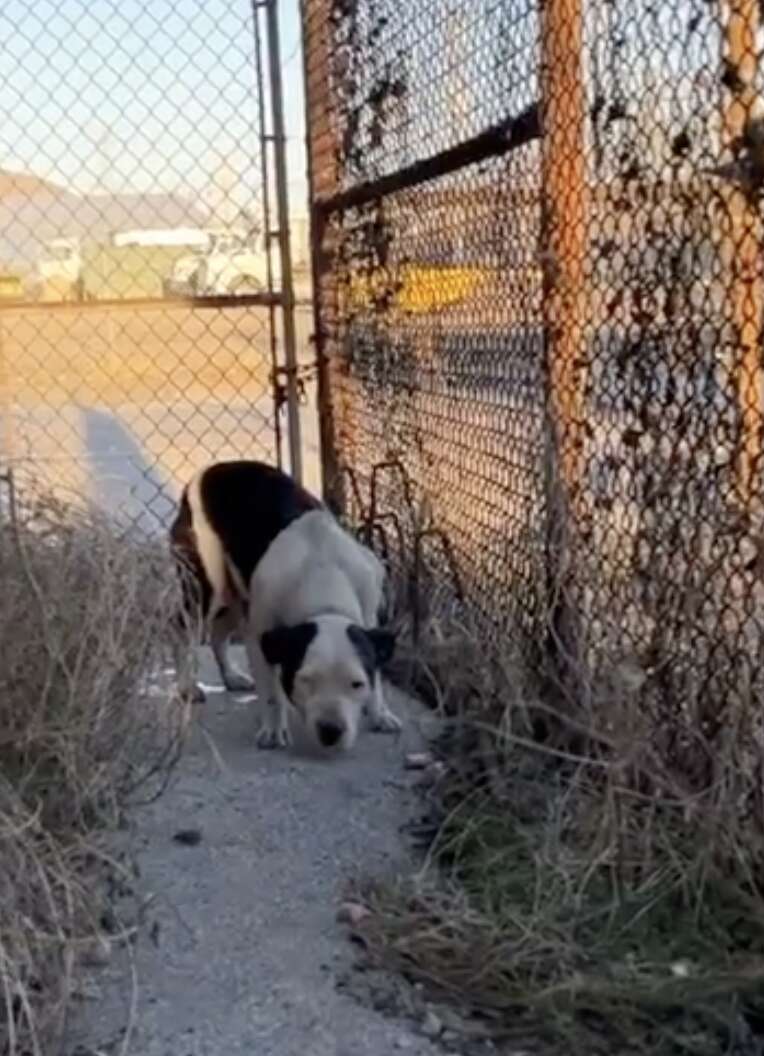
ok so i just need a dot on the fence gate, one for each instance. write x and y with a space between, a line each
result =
540 292
147 315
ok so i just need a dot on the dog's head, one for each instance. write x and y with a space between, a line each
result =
327 667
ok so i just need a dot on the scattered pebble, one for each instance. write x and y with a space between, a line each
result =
96 953
418 760
431 1026
432 774
86 990
352 913
188 837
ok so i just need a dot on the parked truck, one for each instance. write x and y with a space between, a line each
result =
232 263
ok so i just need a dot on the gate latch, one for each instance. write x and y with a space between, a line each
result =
279 379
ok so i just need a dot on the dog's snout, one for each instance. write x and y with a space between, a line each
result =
329 732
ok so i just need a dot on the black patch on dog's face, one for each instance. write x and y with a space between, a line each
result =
285 647
374 647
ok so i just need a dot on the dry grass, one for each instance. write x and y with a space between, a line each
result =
83 618
576 891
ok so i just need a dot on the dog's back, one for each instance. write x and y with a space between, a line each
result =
229 515
316 566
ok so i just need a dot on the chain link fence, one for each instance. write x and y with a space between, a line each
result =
140 273
538 267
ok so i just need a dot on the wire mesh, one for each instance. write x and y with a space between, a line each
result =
550 344
137 334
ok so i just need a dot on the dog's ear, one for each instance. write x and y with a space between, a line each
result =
383 643
286 646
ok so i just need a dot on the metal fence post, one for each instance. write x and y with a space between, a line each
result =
284 238
742 253
564 228
323 178
565 311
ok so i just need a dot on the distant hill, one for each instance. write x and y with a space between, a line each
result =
33 210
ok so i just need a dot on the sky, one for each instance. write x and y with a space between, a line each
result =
143 95
160 95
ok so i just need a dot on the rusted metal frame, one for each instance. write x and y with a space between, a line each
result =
265 142
273 43
494 142
7 430
323 179
565 218
743 250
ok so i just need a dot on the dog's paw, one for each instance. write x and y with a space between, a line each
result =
386 722
238 682
270 738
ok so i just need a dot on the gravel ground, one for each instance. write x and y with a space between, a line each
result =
239 951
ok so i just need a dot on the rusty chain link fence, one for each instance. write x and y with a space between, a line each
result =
538 269
145 326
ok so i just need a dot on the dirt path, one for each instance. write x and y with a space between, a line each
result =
240 950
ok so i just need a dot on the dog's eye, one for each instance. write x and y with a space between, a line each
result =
357 684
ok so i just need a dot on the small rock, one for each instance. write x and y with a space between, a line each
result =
405 1041
96 953
431 1026
109 921
188 837
432 774
86 990
352 913
417 760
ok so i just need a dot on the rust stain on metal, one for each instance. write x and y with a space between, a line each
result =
742 247
565 227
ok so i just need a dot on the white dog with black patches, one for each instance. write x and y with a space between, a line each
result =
258 552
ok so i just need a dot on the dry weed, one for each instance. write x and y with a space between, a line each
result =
84 613
578 889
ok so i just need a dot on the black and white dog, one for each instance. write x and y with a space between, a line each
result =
258 553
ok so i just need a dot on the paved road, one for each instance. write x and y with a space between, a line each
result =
246 950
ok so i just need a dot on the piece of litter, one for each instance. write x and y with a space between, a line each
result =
418 760
352 913
680 969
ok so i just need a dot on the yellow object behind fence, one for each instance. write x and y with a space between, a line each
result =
417 288
11 288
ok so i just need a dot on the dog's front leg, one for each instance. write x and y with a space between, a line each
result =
274 727
276 732
382 719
